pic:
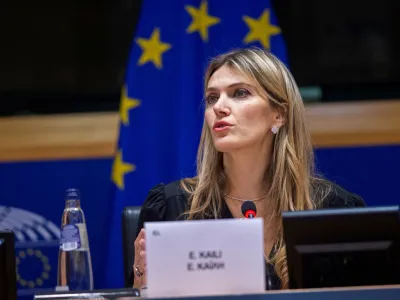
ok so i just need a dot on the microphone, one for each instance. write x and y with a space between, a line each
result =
249 209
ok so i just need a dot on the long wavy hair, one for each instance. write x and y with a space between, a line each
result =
290 178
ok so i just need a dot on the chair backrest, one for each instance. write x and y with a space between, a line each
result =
130 222
8 276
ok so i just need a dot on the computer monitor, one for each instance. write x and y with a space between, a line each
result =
342 247
8 277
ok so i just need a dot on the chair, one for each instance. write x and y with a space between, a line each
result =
130 221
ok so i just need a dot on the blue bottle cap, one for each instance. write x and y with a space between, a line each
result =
72 194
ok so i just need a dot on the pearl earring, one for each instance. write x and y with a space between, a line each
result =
274 129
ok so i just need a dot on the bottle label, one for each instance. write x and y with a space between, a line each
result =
70 238
74 237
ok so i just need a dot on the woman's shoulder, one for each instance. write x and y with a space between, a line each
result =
165 201
166 191
331 195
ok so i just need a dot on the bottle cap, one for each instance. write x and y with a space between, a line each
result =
72 194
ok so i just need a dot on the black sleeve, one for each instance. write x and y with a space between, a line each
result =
154 207
153 210
338 197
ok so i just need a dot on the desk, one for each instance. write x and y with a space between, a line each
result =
351 293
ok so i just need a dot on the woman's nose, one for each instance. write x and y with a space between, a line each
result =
221 107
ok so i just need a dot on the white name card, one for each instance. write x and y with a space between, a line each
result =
209 257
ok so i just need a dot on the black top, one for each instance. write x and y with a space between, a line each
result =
167 202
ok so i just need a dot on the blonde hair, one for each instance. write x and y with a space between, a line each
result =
290 177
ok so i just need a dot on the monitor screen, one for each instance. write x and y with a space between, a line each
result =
342 247
8 277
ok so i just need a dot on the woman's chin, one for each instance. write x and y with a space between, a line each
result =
225 145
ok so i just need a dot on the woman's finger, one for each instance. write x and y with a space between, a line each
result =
142 244
139 237
143 258
141 234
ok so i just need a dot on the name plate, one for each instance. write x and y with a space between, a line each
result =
205 257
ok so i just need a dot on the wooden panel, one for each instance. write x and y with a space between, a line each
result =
354 124
58 136
94 135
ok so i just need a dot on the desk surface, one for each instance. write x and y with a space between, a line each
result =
364 293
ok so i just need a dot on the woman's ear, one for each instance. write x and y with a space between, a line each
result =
280 119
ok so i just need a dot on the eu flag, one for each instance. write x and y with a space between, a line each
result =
161 111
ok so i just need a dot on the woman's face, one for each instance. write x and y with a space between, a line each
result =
236 113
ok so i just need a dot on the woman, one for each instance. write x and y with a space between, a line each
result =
255 145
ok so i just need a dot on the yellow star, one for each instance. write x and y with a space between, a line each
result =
126 105
120 169
201 20
152 49
260 29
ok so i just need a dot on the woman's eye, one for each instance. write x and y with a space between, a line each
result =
211 99
242 93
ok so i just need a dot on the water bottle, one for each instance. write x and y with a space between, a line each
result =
74 262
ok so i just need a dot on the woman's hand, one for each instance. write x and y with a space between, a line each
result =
139 265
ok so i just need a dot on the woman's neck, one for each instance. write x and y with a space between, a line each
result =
245 172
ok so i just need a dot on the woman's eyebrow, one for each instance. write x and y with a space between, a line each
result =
230 86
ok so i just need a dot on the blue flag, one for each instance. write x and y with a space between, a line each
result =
161 111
